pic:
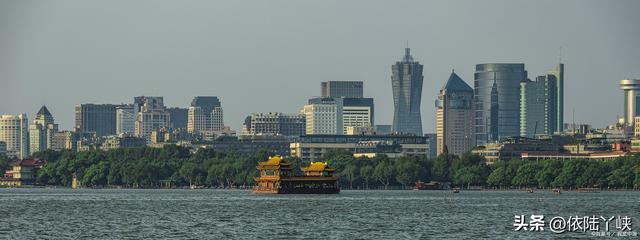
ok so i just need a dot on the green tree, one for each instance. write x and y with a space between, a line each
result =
366 173
384 173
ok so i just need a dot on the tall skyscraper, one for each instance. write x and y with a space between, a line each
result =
153 115
323 116
631 88
205 116
126 118
558 74
349 89
538 106
454 108
406 81
97 118
275 124
41 131
497 96
15 134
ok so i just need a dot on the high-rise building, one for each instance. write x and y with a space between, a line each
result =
357 112
496 100
152 115
454 110
15 134
348 89
205 116
275 124
631 88
126 118
323 116
558 74
406 81
179 117
538 107
97 118
41 131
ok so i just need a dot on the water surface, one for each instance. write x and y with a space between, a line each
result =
223 214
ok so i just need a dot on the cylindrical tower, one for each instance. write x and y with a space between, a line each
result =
631 88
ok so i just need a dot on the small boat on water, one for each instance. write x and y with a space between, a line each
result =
556 191
530 190
456 190
426 186
588 190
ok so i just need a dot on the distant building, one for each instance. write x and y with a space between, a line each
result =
179 117
65 140
152 115
250 144
357 112
538 107
557 74
454 110
313 147
512 148
406 82
114 142
631 89
205 116
382 129
126 118
323 116
349 89
15 133
41 131
97 118
496 99
3 148
22 172
275 124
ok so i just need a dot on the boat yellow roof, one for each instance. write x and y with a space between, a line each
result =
317 167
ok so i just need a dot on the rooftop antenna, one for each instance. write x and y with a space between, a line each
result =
560 55
573 115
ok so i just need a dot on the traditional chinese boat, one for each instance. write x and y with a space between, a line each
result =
277 177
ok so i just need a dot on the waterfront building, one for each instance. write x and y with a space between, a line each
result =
406 82
357 112
313 147
277 177
512 148
22 172
152 115
14 133
323 116
274 123
250 144
64 140
631 89
336 89
97 118
496 100
538 107
179 117
126 118
205 116
114 142
454 117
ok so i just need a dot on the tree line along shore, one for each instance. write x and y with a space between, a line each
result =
174 166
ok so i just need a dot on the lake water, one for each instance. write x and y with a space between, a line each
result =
224 214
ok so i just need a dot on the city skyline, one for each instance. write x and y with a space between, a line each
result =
45 69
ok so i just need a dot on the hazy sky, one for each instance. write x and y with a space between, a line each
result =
261 56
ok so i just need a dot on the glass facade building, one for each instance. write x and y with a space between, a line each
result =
406 82
497 100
